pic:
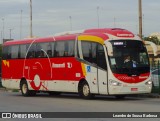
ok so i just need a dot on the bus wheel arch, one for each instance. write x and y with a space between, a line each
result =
84 89
24 88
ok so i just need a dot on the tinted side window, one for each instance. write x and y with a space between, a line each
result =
86 51
89 51
6 52
44 50
59 49
94 53
64 49
14 51
77 49
32 51
23 50
69 48
101 59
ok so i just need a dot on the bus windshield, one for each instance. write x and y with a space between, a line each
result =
129 57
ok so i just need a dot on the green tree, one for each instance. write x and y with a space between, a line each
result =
153 39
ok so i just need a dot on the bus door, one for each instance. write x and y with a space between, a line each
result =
94 54
102 70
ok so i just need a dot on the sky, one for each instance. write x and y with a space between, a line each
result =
55 16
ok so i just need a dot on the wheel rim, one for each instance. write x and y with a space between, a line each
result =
85 90
24 88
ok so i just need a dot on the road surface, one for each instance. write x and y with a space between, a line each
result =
15 102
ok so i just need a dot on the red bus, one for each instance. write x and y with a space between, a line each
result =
88 62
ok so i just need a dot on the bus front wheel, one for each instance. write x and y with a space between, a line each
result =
84 90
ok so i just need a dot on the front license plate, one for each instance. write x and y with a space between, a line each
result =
134 89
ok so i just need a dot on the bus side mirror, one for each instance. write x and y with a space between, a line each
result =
109 48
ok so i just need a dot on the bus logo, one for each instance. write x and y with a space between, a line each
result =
58 65
6 63
69 65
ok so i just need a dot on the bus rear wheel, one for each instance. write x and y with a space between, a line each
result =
24 89
84 90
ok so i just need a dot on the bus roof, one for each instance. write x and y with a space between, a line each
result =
100 32
46 39
118 32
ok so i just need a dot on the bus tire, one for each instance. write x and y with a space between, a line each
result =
84 90
24 89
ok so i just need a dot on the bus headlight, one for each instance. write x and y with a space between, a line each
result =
149 82
115 83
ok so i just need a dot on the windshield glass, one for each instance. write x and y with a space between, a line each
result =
129 57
